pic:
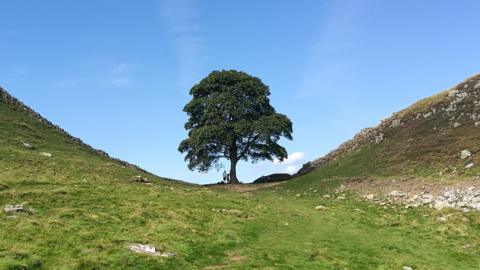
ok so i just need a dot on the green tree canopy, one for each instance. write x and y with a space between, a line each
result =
230 117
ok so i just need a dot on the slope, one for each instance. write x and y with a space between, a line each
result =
425 139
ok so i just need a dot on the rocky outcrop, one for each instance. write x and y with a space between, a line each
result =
462 198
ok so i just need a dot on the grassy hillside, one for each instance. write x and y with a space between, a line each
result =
83 210
425 139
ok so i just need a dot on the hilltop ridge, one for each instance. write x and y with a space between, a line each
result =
428 138
18 105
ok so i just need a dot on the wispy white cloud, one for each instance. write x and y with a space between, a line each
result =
292 158
181 20
292 163
291 169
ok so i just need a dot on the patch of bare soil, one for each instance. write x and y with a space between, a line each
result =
246 187
236 258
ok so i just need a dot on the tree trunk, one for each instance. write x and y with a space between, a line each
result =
233 162
233 171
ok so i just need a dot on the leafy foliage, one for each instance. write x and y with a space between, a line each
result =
230 117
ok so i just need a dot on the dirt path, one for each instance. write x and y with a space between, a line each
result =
246 187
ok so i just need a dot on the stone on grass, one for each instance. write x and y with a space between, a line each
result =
227 211
10 209
369 197
407 268
470 165
442 219
149 250
320 207
28 146
465 154
45 154
140 179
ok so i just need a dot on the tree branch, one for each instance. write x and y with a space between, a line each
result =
247 147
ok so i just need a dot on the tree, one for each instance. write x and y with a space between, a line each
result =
230 117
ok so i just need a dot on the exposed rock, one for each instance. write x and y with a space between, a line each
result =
427 115
320 207
442 219
140 248
369 197
140 179
10 209
167 254
45 154
326 196
379 138
407 268
396 193
456 124
465 154
470 165
452 93
396 123
28 146
460 198
149 250
227 211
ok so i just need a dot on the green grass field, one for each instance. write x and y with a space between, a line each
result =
84 210
88 225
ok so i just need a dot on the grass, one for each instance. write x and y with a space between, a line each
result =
88 226
84 210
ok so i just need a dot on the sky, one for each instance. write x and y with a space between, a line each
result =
117 73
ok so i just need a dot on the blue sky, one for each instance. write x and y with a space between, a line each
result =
117 73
